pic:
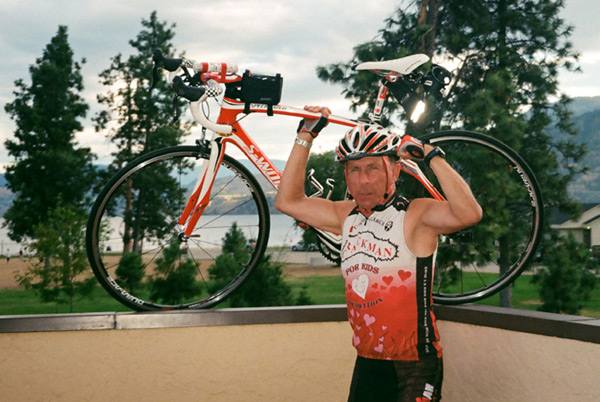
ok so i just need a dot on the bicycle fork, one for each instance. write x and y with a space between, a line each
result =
200 197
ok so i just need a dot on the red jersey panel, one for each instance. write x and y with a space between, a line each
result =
388 289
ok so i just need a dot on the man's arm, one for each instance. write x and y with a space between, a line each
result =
428 218
460 210
291 199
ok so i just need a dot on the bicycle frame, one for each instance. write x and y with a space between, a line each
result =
228 129
240 138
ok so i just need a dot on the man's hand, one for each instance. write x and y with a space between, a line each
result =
325 111
412 148
314 126
291 199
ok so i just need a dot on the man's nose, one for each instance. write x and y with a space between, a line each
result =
363 178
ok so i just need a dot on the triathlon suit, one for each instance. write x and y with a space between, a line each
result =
388 294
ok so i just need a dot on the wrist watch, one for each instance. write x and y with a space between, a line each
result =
437 151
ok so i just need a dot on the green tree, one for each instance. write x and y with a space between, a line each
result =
264 287
49 169
568 276
137 121
130 271
507 55
175 279
303 297
326 168
59 276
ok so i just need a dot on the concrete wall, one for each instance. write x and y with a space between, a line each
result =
286 355
276 362
490 364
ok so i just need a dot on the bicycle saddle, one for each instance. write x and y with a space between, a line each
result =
403 65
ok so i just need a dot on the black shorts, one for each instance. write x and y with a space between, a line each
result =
397 381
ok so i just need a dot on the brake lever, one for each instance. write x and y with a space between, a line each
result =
154 77
188 76
160 61
176 109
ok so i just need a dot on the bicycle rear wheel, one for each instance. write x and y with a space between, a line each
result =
479 261
138 252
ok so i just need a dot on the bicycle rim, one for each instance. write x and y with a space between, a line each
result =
137 250
479 261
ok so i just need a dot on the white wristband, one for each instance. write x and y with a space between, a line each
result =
303 143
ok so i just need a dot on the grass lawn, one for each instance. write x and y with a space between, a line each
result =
321 290
19 301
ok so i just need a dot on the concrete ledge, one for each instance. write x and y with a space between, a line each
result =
172 319
533 322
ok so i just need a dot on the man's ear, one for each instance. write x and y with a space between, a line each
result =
346 178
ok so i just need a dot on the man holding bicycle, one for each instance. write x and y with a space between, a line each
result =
387 256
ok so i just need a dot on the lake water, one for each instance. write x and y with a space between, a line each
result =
282 233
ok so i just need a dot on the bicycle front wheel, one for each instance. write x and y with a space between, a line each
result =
479 261
137 249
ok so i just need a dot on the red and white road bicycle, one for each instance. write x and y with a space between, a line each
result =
159 235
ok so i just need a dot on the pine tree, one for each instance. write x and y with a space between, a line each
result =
264 287
175 276
569 277
137 121
50 169
507 54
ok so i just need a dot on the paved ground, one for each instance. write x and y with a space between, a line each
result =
313 258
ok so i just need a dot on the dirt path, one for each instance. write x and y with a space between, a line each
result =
8 269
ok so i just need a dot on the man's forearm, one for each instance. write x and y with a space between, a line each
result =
459 196
291 187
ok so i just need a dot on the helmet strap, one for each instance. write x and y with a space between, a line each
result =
391 187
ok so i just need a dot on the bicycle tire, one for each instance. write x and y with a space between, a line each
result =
136 213
479 261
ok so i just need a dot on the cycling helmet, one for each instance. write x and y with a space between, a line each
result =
366 140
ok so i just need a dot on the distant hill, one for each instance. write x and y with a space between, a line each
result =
586 117
586 189
6 196
583 105
223 204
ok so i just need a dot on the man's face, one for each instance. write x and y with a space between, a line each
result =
367 180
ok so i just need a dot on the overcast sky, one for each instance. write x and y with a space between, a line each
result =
291 37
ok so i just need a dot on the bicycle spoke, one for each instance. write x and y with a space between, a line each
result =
143 204
479 261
